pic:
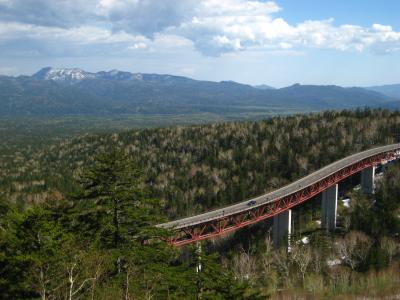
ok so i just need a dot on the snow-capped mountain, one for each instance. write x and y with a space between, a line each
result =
61 74
57 91
76 75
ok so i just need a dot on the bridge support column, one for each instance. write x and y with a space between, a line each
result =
329 208
282 228
367 180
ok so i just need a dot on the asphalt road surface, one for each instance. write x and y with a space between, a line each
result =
279 193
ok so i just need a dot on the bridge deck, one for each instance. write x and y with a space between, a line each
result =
279 193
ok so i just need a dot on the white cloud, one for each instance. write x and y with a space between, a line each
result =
146 17
221 28
236 8
26 40
138 46
57 13
81 35
213 27
80 41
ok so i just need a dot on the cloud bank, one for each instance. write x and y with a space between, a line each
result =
212 27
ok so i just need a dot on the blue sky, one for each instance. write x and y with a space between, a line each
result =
359 12
350 43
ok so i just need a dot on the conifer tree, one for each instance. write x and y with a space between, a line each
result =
113 201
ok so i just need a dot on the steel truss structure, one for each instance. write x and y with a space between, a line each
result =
233 222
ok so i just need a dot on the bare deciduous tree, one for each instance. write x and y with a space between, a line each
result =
244 266
74 277
282 262
99 267
301 256
267 257
353 248
83 272
130 269
317 262
390 247
43 281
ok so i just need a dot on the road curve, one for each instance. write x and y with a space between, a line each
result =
279 193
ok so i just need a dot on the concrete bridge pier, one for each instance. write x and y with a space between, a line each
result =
367 180
329 208
282 228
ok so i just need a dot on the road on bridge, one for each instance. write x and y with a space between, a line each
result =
291 189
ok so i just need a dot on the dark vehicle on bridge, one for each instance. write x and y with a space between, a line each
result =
251 203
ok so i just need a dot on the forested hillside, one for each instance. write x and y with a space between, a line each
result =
77 217
61 92
195 168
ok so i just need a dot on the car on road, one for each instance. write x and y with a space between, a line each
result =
251 203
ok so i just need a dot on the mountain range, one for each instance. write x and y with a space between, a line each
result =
53 91
391 90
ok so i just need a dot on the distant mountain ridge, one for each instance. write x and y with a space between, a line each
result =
75 75
69 75
62 91
391 90
264 87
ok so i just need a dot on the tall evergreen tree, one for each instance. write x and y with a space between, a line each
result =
113 201
114 207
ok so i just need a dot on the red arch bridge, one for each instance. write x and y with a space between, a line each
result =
278 203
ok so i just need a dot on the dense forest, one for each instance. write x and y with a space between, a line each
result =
194 168
77 217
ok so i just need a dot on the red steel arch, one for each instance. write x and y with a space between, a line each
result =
223 224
